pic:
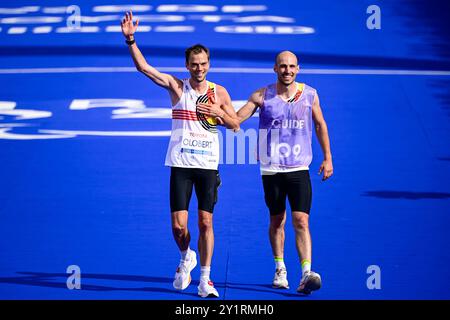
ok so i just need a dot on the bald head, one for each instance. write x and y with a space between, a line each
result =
286 56
286 67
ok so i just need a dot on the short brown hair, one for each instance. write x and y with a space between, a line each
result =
196 49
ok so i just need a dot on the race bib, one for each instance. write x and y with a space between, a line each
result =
198 143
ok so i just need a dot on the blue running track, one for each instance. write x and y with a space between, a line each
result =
83 138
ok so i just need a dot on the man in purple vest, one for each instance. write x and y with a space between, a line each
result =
287 112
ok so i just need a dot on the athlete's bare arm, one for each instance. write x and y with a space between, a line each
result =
254 102
167 81
324 140
222 109
229 117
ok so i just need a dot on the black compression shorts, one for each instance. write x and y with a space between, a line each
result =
295 185
206 183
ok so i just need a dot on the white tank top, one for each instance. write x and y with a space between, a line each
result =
194 142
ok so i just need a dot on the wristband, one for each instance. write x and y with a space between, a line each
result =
130 42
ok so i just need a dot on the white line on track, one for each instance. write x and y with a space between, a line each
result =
165 133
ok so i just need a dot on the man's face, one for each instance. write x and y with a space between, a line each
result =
286 68
198 66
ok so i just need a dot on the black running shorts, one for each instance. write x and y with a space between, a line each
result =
206 183
295 185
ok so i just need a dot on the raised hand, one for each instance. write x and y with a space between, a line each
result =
128 27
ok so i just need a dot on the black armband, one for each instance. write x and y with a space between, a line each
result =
130 42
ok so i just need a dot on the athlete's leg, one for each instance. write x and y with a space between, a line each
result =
180 194
205 249
206 237
300 221
188 259
300 195
206 185
310 280
275 198
180 229
276 234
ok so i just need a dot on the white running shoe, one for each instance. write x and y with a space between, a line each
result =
280 279
311 281
183 274
206 289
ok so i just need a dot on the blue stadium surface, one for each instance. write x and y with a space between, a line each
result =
83 138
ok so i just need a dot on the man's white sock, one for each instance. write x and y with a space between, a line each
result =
205 272
279 263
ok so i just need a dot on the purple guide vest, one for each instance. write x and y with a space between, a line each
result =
285 128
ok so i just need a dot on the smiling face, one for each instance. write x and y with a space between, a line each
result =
286 68
198 66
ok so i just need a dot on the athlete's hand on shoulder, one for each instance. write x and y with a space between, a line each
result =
128 27
327 168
